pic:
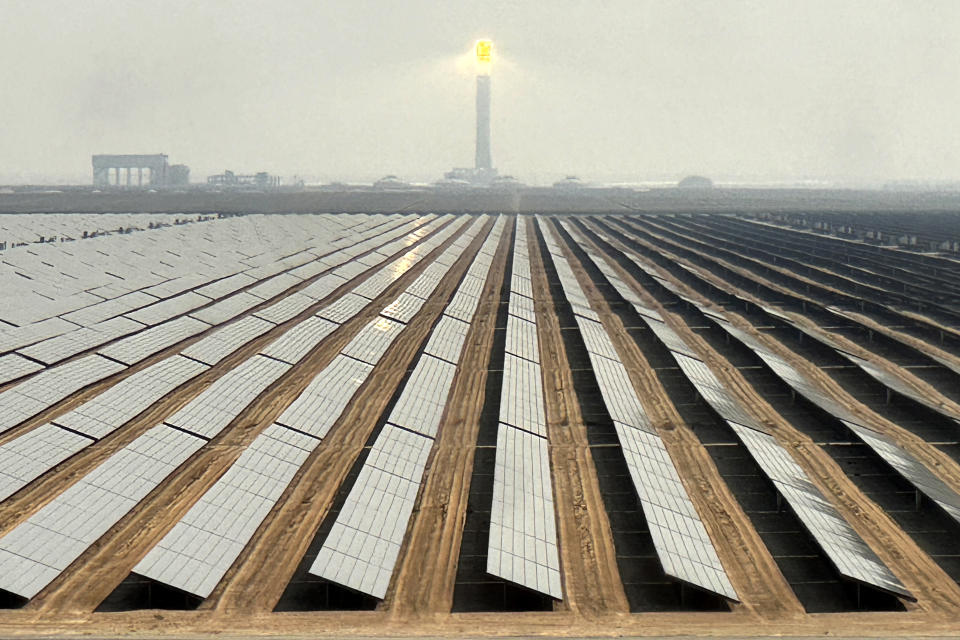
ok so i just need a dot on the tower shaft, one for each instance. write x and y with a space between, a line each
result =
483 158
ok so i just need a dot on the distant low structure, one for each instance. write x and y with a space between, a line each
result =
569 182
259 180
118 171
391 183
506 183
476 176
179 175
695 182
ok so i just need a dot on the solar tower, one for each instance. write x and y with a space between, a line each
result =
484 161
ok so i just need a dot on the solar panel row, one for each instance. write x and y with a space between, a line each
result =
16 409
362 547
522 547
683 545
149 309
866 362
100 279
844 547
18 229
902 461
50 386
196 554
200 420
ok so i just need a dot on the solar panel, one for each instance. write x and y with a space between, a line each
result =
868 366
523 538
618 393
729 408
521 284
286 308
369 260
343 308
610 273
521 397
351 270
697 372
521 269
325 398
373 340
273 286
322 287
424 397
522 307
216 346
427 281
13 366
462 306
296 343
683 545
403 308
446 341
903 462
851 556
522 547
36 551
910 468
595 338
226 286
848 552
308 270
171 263
63 346
362 546
375 284
198 551
105 413
932 353
107 309
228 308
521 339
26 458
177 560
897 384
216 407
50 386
16 337
670 339
175 286
144 344
165 309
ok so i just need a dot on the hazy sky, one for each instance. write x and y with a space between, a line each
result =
352 90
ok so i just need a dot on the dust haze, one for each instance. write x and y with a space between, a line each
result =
745 92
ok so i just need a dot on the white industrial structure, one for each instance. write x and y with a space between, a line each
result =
482 172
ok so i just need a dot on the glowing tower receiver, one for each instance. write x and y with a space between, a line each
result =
484 161
484 52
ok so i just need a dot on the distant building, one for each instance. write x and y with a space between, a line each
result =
505 183
179 175
570 182
138 170
695 182
452 183
391 182
471 176
229 179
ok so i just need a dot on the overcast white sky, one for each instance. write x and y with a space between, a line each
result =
626 90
